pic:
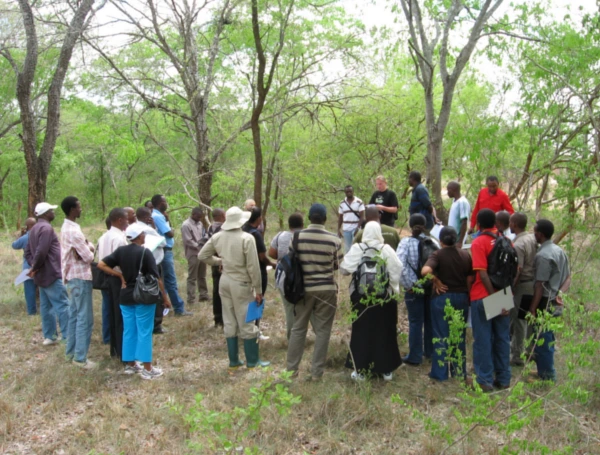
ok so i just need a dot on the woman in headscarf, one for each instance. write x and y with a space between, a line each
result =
374 343
452 269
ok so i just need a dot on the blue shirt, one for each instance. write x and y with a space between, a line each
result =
163 226
20 244
420 203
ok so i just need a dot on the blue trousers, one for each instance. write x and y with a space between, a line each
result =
419 327
81 319
544 356
105 316
29 287
441 331
138 323
170 279
348 238
491 346
54 305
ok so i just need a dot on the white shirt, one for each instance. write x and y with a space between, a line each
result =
110 241
351 222
394 266
460 210
158 252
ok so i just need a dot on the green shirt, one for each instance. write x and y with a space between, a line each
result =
390 236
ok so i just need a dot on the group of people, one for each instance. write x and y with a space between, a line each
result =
430 273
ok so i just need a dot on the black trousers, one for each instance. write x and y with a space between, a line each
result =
217 306
115 317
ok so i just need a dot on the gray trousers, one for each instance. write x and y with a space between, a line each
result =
518 327
196 278
290 317
319 309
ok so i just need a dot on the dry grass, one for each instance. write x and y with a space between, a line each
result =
48 406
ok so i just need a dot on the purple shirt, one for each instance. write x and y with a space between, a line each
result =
43 253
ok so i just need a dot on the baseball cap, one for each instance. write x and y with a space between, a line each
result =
317 209
133 231
43 207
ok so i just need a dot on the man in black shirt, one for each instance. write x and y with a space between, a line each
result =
386 202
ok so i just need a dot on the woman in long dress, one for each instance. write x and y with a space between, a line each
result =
374 344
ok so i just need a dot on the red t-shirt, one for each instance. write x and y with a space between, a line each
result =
481 248
496 202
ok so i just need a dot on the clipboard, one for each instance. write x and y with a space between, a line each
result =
498 301
255 311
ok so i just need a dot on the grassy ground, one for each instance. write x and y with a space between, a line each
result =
48 406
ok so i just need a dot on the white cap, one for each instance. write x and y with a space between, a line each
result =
235 219
43 207
133 232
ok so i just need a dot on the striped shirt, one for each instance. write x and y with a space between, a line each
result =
320 253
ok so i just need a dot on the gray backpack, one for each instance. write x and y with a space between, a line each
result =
371 276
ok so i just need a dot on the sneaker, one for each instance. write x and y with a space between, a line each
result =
184 313
49 342
152 374
357 376
263 337
135 369
87 365
387 376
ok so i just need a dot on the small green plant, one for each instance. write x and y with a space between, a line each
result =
226 431
452 354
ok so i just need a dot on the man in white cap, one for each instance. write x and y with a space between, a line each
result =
239 285
43 253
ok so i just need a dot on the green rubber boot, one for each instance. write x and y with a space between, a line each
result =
232 351
251 351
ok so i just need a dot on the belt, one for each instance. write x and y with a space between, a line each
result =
167 248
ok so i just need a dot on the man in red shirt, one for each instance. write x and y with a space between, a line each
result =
491 197
491 344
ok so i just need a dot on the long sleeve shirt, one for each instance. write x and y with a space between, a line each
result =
496 202
43 253
408 254
191 234
77 253
20 244
394 266
237 254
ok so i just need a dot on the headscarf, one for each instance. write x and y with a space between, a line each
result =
372 235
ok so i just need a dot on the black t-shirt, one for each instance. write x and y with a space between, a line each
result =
386 198
452 266
260 244
128 258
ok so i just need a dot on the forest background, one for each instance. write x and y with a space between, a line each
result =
286 102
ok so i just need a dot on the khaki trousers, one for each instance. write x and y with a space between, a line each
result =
518 327
196 277
235 297
319 309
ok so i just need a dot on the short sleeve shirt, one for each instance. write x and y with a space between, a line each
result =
281 242
350 220
452 266
163 226
260 244
551 268
460 210
386 198
481 248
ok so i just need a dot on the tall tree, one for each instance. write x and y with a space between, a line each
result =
38 153
430 25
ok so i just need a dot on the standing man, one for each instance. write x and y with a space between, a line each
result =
386 202
218 220
43 253
131 218
235 251
419 201
163 226
459 212
491 197
28 285
77 257
320 253
503 225
351 215
491 338
248 206
192 231
526 247
107 244
552 278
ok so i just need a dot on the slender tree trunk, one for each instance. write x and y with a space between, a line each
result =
258 159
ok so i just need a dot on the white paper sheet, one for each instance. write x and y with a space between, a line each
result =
495 303
435 231
22 277
153 241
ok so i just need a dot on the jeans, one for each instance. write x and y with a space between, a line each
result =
81 319
441 331
544 356
491 346
138 323
170 279
348 238
54 305
419 327
105 316
29 287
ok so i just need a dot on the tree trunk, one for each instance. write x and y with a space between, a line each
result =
258 159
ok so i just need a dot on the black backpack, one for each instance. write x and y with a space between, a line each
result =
426 248
288 275
502 262
371 277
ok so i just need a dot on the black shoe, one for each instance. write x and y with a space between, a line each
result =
184 313
219 324
408 362
159 330
499 386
